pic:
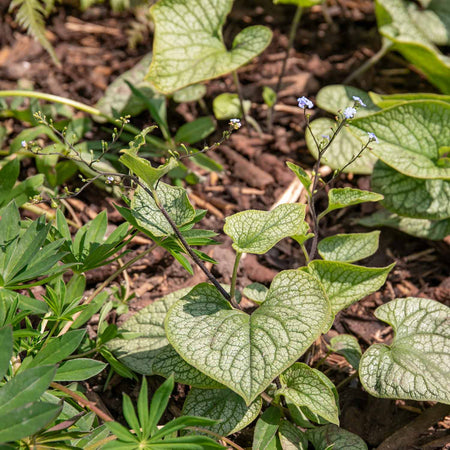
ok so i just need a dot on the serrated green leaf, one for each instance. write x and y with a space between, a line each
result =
347 283
395 24
195 131
188 45
78 369
337 97
191 93
6 349
331 436
304 386
257 232
412 197
223 405
146 335
256 292
434 230
266 428
168 362
410 137
228 106
416 365
175 202
343 148
26 420
347 346
349 247
291 437
252 349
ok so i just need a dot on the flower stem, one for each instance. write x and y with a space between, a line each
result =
233 280
241 97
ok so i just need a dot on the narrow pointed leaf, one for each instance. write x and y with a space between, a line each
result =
246 352
266 428
181 423
6 349
257 232
304 178
347 283
304 386
416 365
412 197
195 131
223 405
130 415
349 247
121 432
188 45
79 369
143 408
159 403
331 436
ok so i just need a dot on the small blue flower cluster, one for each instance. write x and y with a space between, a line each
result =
235 123
304 102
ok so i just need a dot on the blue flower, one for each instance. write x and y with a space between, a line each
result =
358 99
326 136
24 143
235 123
304 102
372 137
349 112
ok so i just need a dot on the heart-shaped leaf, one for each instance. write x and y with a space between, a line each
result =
347 283
342 150
434 230
410 137
347 346
396 25
343 197
246 352
411 197
228 106
257 232
331 436
304 386
175 202
416 365
188 45
222 405
349 247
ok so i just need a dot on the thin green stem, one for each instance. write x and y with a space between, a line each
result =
292 33
385 47
347 380
305 253
241 97
81 107
233 280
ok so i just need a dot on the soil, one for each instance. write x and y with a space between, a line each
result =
93 49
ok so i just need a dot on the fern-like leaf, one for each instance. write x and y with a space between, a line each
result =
30 15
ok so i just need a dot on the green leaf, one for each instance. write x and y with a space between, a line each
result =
168 362
415 366
257 232
434 230
396 25
130 415
188 45
410 137
143 335
347 283
121 432
339 198
343 148
347 346
6 349
412 197
386 101
304 178
269 96
159 403
191 93
26 420
78 369
195 131
143 408
228 106
337 97
8 177
181 423
291 437
266 428
331 436
349 247
256 292
252 349
175 202
223 405
304 386
26 387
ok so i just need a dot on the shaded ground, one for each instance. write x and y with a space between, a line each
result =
93 51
